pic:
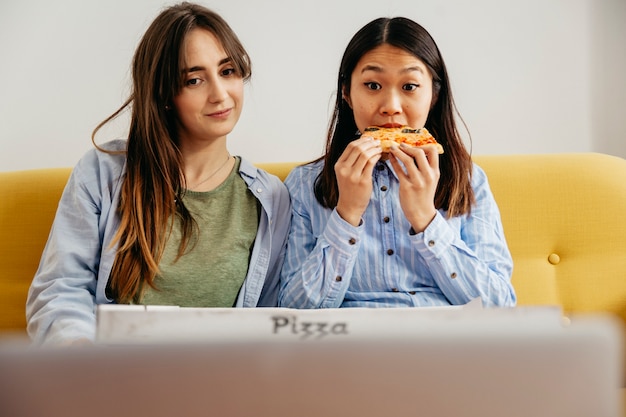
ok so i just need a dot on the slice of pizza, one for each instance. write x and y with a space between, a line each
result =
390 136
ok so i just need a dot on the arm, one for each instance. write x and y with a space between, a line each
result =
272 236
321 256
61 302
468 256
320 253
467 262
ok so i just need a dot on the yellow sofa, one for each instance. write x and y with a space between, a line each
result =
563 215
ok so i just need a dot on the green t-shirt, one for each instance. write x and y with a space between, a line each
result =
212 271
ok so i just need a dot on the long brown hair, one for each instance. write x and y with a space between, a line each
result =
454 192
152 188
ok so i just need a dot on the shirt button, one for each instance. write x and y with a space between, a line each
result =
383 188
389 251
386 219
394 290
380 167
338 278
259 190
412 292
431 243
352 241
453 275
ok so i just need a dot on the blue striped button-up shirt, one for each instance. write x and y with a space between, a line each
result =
330 263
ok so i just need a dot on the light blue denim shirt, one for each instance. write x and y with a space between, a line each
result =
331 263
77 259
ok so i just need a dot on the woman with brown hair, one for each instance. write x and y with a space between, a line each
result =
168 216
414 229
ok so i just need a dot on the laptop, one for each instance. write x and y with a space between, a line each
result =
483 364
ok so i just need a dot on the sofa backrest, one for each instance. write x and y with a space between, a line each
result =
27 208
563 216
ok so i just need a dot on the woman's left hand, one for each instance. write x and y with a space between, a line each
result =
418 176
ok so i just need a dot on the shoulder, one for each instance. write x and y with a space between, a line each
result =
480 183
254 177
107 162
304 176
99 171
479 176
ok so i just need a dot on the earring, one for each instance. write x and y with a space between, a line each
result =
167 107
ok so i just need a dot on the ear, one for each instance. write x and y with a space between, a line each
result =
435 97
346 97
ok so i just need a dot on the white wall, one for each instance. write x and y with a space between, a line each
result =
528 76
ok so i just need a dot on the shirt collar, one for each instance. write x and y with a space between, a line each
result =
248 171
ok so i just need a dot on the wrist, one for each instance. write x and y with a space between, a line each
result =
420 223
350 216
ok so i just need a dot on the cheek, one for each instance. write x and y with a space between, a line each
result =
363 110
183 103
237 90
185 109
362 117
427 100
421 106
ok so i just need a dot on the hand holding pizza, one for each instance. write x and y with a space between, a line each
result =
354 178
418 176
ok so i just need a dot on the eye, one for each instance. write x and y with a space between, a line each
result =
373 86
410 87
193 81
228 71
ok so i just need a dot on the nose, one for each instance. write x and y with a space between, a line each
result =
391 104
218 91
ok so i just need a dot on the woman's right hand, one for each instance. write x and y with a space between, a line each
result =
354 177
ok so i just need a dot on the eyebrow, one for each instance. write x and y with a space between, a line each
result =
201 68
376 68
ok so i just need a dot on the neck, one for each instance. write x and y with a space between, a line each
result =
205 172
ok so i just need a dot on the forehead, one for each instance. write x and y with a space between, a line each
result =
388 58
202 45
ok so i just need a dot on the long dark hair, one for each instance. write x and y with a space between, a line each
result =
454 192
151 191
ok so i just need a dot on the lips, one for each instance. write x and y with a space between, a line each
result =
220 113
390 125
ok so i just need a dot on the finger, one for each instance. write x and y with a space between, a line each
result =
367 160
358 160
398 169
426 163
407 158
432 154
355 148
419 156
427 155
